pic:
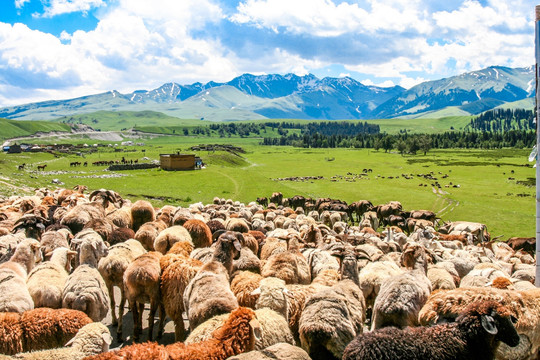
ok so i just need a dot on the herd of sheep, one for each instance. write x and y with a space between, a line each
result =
285 279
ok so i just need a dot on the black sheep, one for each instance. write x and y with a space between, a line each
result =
476 334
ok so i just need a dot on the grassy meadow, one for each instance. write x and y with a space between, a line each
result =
496 187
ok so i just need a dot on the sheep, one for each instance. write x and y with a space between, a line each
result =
46 281
51 239
39 329
148 232
141 283
372 276
102 226
402 296
237 224
120 235
142 212
92 339
82 214
300 293
238 334
85 289
279 351
272 294
243 285
290 265
14 295
247 261
443 306
169 236
274 329
334 316
209 292
112 268
121 217
476 334
177 270
201 234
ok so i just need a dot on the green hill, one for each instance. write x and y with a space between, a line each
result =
120 120
14 128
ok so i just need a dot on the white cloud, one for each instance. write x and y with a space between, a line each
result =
58 7
325 18
140 44
20 3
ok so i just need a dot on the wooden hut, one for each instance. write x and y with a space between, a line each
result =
177 161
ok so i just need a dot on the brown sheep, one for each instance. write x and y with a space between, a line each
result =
148 232
142 212
201 235
178 269
141 282
39 329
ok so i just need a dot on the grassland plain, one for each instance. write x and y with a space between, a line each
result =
496 187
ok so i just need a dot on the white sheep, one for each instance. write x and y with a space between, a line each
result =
85 289
47 280
402 296
14 295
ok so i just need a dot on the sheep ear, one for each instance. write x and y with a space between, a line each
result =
288 293
488 323
107 338
237 245
256 328
257 291
70 342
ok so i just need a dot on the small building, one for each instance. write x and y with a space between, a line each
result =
177 161
14 149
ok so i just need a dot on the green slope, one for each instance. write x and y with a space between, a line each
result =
118 120
14 128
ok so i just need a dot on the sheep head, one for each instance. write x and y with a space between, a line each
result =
414 256
104 197
496 322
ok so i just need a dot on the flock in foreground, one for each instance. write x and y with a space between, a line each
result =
285 279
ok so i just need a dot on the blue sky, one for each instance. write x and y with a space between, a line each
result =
57 49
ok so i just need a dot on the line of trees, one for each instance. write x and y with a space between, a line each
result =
411 143
504 120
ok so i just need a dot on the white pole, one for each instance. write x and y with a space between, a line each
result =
537 68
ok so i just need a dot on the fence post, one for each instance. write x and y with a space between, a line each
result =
537 72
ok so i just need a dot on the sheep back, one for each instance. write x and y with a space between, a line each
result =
280 351
11 333
45 284
243 284
14 295
208 294
45 328
201 235
85 290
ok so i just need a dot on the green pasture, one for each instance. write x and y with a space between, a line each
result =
496 187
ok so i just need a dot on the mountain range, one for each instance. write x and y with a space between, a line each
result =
251 97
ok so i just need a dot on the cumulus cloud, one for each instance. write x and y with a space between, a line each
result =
20 3
140 44
58 7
